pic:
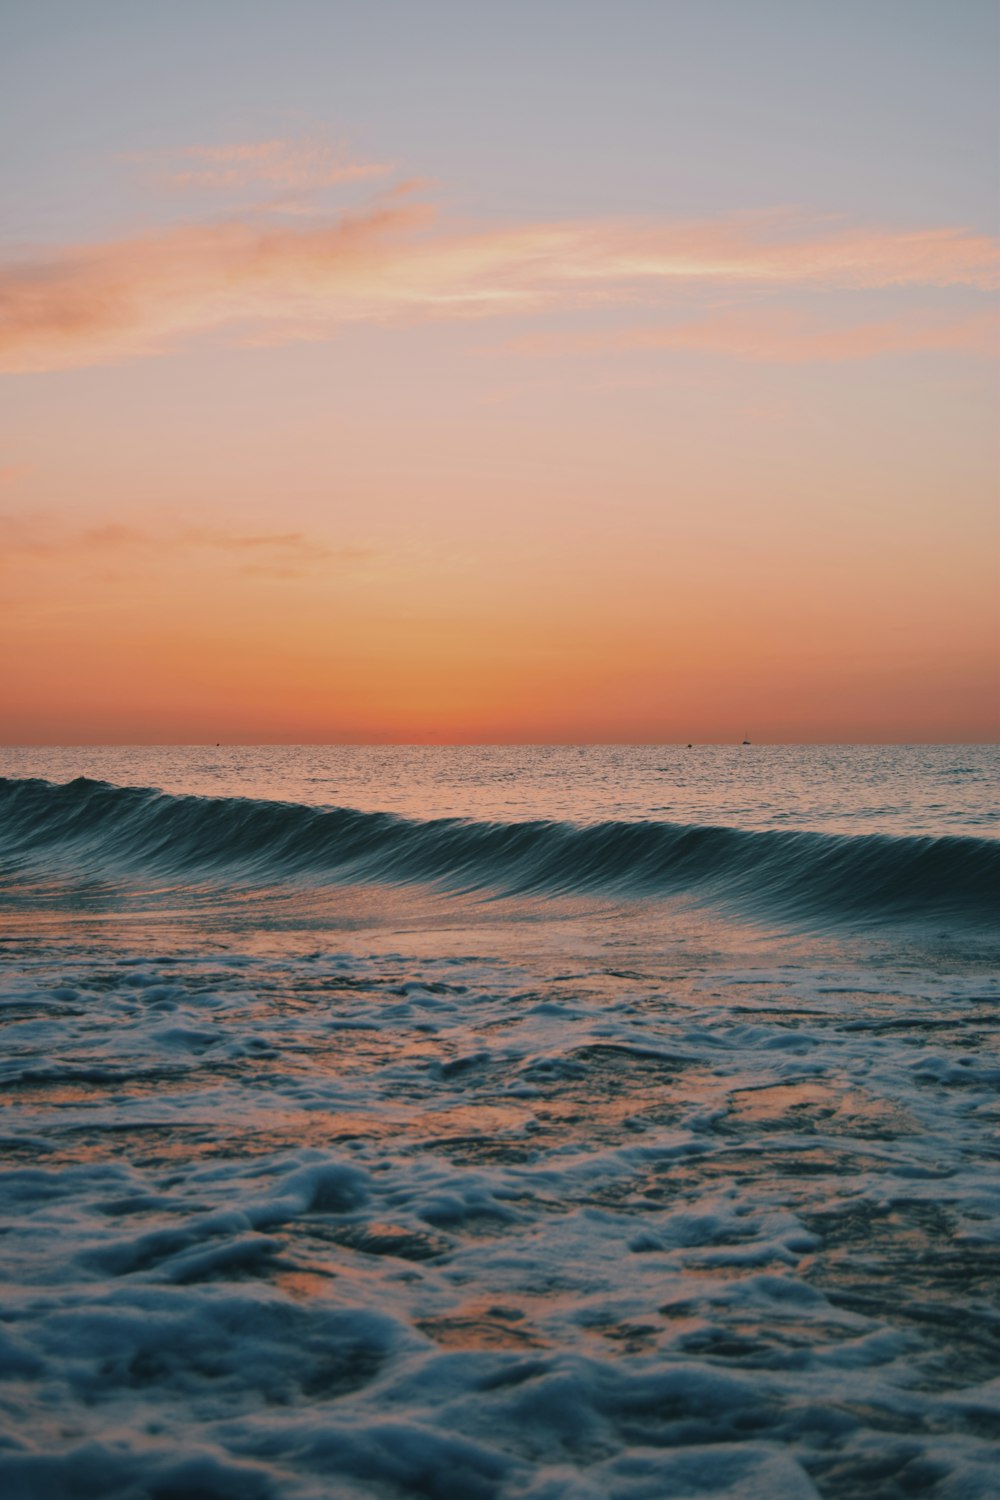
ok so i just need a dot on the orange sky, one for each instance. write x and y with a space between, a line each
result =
301 447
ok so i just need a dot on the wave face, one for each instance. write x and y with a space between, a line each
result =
95 828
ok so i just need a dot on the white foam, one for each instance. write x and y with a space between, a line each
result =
300 1223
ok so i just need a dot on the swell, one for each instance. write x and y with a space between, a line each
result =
92 828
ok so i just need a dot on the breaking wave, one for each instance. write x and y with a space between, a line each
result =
94 828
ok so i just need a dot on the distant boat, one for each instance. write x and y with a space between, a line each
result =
745 740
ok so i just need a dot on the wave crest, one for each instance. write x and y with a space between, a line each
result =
93 827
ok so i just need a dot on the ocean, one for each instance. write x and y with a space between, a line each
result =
499 1123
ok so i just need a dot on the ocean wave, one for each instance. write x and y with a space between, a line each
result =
95 828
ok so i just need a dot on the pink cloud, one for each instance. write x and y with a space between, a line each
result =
298 166
110 301
780 336
398 261
280 554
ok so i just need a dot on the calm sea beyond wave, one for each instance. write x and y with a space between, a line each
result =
520 1123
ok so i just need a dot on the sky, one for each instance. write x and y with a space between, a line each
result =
475 372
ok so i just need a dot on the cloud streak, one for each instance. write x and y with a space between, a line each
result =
277 554
292 166
780 336
398 261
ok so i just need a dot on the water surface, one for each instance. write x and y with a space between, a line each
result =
499 1124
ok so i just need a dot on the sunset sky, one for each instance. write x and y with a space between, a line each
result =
543 371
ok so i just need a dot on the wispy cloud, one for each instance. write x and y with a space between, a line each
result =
299 166
779 335
277 554
282 177
398 260
103 302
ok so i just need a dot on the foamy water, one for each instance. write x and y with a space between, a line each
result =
564 1150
